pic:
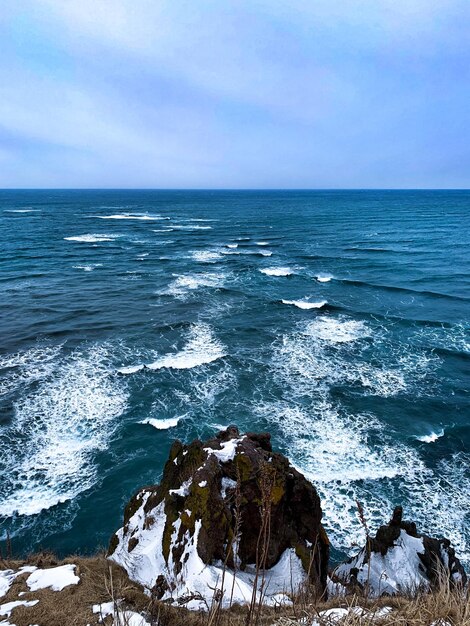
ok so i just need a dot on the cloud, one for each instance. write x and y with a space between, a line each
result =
234 94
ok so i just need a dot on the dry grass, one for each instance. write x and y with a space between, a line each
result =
102 581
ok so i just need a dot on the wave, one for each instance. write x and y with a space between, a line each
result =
130 369
190 227
163 424
232 245
417 292
262 243
20 210
58 426
324 278
206 256
302 304
131 216
92 238
431 438
191 282
87 268
277 271
201 348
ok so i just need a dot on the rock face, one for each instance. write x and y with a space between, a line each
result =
400 559
223 506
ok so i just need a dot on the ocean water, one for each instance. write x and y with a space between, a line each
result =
337 321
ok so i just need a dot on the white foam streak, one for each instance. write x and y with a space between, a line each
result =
324 278
277 271
302 304
94 238
131 216
163 424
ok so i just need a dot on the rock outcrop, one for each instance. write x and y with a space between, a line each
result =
399 559
222 507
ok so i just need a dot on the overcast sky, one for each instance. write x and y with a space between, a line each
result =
235 94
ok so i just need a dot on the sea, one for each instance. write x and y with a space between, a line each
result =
338 321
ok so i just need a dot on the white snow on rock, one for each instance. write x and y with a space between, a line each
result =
228 451
400 570
196 580
227 483
55 578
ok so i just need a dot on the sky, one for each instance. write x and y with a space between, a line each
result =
235 94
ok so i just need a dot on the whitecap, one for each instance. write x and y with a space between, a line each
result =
265 253
324 278
206 256
302 304
431 438
131 216
337 330
20 210
91 238
190 282
190 227
232 245
277 271
162 424
130 369
87 268
202 348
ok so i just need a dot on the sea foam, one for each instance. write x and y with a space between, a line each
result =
162 424
277 271
58 427
94 238
201 348
302 304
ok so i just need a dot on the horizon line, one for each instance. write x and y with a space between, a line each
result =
234 189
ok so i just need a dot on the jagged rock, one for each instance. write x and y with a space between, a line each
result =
399 559
178 535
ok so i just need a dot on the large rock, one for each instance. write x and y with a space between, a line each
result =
223 506
399 559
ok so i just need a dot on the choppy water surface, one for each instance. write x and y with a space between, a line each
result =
338 321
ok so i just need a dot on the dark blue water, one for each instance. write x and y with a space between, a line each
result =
361 374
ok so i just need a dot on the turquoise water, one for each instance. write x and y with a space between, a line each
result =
361 374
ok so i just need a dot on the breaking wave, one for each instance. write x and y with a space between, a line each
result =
201 348
302 304
96 238
277 271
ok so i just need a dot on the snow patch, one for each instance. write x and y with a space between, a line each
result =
55 578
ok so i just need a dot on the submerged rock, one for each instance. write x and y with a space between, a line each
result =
223 506
399 559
